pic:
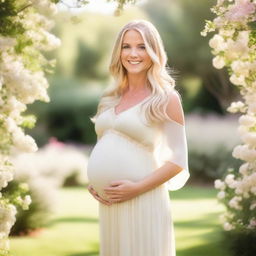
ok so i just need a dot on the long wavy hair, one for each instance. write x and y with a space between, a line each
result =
160 81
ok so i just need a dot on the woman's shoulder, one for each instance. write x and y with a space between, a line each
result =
174 108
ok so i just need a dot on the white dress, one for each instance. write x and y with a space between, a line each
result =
127 149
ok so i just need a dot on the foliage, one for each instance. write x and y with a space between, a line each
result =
66 117
42 204
241 243
179 23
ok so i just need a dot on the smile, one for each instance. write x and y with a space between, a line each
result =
134 62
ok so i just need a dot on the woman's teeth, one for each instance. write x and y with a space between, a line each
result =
134 62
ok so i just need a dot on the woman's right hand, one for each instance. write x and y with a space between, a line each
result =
96 196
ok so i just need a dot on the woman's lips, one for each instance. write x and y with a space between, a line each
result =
134 62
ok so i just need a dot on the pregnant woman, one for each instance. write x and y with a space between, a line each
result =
141 149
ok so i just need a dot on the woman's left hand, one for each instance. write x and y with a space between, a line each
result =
122 190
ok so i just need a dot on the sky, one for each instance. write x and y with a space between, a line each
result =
98 6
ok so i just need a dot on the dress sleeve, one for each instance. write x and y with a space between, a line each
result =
175 143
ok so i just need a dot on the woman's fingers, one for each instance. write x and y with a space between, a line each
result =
102 200
91 190
96 196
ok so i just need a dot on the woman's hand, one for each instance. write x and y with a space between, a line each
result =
122 190
97 197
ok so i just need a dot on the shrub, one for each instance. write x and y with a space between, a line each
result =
211 139
44 172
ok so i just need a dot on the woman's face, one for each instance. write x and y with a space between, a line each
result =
134 56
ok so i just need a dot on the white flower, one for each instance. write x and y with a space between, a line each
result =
236 106
237 80
238 191
226 32
252 107
230 179
218 62
221 195
24 142
247 120
242 130
249 138
227 226
217 43
243 152
219 22
238 48
218 184
5 177
10 124
234 203
27 201
240 67
244 168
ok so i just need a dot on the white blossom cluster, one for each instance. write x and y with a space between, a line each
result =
238 193
7 219
45 171
234 47
22 81
54 162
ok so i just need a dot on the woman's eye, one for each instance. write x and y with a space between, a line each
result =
125 46
142 47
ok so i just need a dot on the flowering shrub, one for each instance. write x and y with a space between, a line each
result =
44 171
56 162
24 34
234 46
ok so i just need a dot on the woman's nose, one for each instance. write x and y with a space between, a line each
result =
133 52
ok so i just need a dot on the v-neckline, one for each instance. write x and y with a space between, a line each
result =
117 114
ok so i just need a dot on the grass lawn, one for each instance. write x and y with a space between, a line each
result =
74 231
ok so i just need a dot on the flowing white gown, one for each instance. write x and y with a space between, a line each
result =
128 148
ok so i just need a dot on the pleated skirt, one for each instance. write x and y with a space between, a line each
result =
141 226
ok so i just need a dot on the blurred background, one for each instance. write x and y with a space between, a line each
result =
63 218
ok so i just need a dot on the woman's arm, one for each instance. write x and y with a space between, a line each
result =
169 169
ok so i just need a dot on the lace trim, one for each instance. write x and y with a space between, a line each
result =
144 146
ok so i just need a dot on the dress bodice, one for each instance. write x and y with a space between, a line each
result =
130 123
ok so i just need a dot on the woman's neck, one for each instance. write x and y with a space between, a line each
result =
136 82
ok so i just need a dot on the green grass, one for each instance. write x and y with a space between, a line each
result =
73 230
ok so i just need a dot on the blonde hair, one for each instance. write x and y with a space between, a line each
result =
160 81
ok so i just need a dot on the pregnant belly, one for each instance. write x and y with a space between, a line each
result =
114 157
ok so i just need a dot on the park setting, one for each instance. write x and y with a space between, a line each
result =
54 67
